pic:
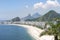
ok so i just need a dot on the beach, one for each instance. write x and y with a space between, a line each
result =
35 32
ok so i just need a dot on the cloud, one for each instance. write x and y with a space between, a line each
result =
48 4
37 5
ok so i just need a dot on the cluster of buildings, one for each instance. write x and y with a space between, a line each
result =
32 23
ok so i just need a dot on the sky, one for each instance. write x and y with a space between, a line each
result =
21 8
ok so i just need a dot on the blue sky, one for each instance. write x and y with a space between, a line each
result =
21 8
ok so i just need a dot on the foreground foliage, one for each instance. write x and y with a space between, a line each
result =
53 30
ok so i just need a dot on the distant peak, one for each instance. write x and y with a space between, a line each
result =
29 14
52 11
36 13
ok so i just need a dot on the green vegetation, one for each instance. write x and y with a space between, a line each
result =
49 16
39 27
53 30
15 19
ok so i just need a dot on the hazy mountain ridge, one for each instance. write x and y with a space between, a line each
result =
49 16
36 15
27 17
31 17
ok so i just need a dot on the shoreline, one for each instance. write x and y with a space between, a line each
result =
35 32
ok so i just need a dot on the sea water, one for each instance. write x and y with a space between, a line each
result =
11 32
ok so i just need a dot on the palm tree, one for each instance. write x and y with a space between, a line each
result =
53 30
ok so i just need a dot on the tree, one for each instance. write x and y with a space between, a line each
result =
53 30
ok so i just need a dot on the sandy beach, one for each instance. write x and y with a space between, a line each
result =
35 32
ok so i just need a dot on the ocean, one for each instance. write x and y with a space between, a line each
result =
12 32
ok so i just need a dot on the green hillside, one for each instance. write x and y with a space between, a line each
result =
15 19
49 16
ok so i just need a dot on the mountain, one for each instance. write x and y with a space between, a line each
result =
36 15
49 16
15 19
27 17
31 18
